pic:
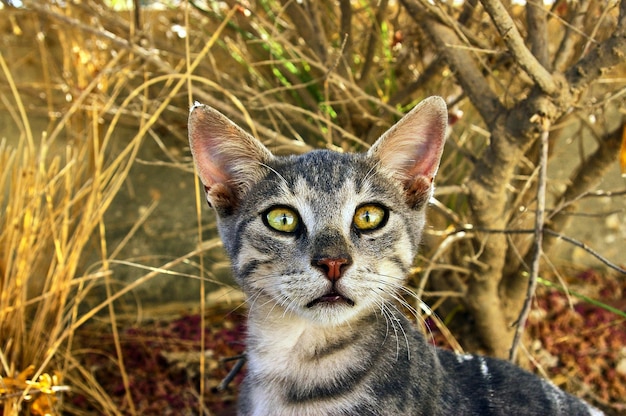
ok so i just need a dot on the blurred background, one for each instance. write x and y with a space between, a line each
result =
116 297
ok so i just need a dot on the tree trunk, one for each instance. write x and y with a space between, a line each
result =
495 297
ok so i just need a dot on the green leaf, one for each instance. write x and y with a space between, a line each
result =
587 299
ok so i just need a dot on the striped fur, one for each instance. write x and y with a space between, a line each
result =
319 344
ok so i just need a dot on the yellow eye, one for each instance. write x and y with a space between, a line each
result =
282 219
369 217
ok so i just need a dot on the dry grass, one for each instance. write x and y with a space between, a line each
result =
54 198
57 186
106 82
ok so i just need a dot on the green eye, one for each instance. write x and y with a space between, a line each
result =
282 219
369 217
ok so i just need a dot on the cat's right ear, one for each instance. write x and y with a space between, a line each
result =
228 159
410 150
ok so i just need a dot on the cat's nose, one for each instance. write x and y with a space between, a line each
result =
333 268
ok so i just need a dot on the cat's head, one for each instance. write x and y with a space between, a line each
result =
327 236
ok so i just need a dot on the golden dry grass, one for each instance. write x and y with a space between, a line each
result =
53 203
57 185
102 74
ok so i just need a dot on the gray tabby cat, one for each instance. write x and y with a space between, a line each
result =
321 244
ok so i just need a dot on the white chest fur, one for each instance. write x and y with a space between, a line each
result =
291 354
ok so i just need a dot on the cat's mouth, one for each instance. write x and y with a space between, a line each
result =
332 297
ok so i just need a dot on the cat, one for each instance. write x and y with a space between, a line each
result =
321 244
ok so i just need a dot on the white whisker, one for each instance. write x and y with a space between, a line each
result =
282 178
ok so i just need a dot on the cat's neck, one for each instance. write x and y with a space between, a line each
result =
293 360
328 369
281 344
272 329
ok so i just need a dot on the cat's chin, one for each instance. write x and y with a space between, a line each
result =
331 310
330 299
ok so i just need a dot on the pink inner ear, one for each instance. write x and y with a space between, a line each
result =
429 133
413 146
211 169
228 159
208 131
427 154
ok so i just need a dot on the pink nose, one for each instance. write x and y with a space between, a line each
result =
333 268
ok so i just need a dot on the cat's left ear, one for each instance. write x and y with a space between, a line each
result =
410 150
228 159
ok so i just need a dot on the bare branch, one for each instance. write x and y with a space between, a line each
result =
460 60
468 9
588 174
550 233
588 249
604 194
572 34
514 41
536 18
539 225
346 34
240 360
446 244
374 36
307 26
434 68
471 39
137 16
609 53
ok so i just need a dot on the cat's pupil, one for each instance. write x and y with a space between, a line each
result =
370 217
281 219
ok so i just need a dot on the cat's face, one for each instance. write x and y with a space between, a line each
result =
326 236
323 235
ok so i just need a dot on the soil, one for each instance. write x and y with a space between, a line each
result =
580 346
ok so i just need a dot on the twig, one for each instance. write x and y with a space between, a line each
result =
346 32
373 39
587 249
536 18
460 60
451 189
433 69
162 65
241 360
32 392
308 26
514 41
604 194
539 226
448 213
137 16
443 247
567 48
468 9
600 214
588 174
592 169
609 53
600 21
552 233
